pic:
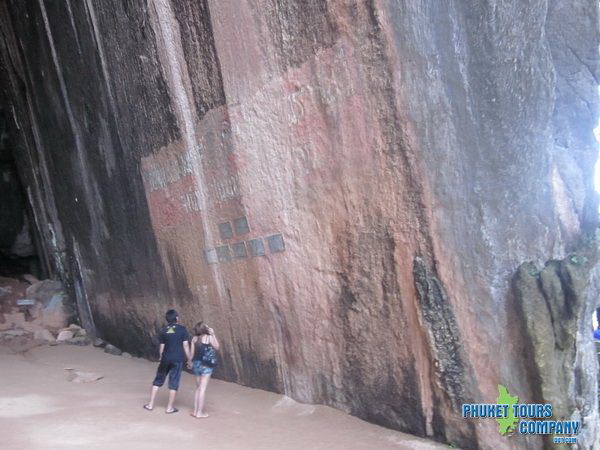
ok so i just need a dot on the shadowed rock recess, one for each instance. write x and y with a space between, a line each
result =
345 190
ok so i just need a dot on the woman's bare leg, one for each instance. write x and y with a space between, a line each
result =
201 392
196 396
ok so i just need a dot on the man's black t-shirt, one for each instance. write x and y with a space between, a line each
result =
173 336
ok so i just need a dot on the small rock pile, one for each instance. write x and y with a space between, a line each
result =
35 309
40 311
73 334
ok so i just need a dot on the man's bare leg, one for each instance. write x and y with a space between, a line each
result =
172 395
150 405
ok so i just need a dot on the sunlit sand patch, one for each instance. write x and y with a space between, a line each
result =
26 406
79 376
86 433
415 443
288 405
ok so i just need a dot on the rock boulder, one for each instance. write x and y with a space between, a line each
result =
112 350
64 336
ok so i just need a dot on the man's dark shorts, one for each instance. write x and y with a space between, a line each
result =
174 371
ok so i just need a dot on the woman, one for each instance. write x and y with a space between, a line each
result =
203 345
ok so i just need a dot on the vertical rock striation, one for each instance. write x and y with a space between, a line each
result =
344 190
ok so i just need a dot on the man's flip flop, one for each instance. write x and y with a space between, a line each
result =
147 408
172 412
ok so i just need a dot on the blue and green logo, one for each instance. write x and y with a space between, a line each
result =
509 423
523 418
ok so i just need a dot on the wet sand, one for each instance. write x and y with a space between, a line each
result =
41 409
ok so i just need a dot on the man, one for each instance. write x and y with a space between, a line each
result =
174 350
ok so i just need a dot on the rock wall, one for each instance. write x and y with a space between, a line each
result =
344 190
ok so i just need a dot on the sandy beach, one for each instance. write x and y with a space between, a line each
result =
41 409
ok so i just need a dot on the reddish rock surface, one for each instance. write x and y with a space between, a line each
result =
343 190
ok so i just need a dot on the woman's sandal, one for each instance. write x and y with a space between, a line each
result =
147 408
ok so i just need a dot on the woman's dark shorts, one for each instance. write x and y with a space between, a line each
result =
174 371
198 369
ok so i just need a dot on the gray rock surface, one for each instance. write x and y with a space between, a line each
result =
79 340
112 350
44 335
553 302
81 333
53 306
9 334
44 290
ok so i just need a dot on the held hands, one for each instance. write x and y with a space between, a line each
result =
189 364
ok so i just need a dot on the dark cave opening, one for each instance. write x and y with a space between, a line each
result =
18 253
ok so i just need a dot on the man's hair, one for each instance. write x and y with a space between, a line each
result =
171 316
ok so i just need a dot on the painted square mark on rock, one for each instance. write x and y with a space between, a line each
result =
276 243
210 256
223 253
240 226
257 248
225 230
239 250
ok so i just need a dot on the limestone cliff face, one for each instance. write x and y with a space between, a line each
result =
344 190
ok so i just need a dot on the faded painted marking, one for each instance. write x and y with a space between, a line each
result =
223 253
225 230
161 173
239 250
226 189
276 243
210 256
240 226
191 201
257 247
